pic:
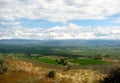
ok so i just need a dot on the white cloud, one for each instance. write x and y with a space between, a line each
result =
10 23
117 20
71 31
58 10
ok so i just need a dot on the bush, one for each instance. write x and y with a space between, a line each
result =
113 76
62 61
3 70
51 74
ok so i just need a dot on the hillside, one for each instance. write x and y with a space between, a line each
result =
26 71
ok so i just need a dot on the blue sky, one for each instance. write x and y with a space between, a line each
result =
53 19
48 24
39 23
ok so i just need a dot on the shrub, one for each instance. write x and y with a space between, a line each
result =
51 74
1 62
113 76
62 61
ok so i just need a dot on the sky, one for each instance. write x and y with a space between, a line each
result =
60 19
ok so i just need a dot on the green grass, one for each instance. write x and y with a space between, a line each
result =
41 59
87 61
47 60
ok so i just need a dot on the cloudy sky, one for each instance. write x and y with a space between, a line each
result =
59 19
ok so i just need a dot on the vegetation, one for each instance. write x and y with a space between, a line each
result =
66 51
67 62
87 61
27 72
3 68
47 60
61 61
41 59
113 76
51 74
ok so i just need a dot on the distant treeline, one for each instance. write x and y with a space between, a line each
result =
62 42
61 47
35 49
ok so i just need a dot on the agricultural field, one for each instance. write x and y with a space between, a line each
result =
66 51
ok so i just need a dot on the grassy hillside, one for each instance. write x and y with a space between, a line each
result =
25 71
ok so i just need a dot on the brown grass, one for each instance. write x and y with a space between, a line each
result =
23 71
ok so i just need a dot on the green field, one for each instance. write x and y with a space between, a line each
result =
41 51
51 60
41 59
47 60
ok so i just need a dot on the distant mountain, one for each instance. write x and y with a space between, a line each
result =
63 42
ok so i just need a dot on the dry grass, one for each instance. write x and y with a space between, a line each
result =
21 71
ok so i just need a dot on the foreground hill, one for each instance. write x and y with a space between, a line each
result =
25 71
